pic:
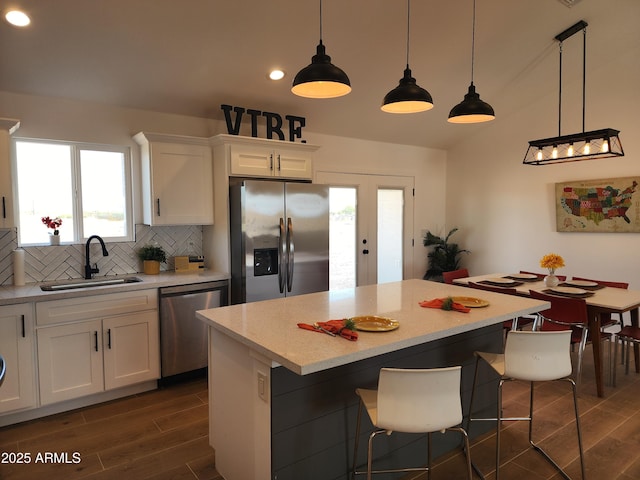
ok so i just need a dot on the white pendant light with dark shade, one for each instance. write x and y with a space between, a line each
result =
407 97
472 109
321 78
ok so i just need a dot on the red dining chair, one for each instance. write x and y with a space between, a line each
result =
513 324
449 277
566 313
541 276
606 283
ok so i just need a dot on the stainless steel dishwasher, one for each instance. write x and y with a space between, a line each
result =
183 338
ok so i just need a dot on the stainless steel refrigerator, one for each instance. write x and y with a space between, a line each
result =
279 239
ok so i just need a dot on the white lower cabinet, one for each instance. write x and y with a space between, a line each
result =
92 355
131 349
17 347
70 361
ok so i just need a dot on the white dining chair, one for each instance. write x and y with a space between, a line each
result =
531 356
412 401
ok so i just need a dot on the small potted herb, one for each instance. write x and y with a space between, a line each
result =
152 256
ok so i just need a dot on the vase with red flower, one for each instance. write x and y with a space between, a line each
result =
54 224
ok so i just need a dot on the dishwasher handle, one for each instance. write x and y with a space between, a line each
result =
193 288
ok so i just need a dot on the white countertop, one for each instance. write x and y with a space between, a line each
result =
31 292
270 327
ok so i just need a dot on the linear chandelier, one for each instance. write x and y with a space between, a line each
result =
602 143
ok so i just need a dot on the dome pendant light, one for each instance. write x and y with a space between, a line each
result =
472 109
407 97
321 79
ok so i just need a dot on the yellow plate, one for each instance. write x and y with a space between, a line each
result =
373 323
471 302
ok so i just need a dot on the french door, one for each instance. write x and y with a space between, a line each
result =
371 228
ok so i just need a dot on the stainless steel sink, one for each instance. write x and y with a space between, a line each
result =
99 282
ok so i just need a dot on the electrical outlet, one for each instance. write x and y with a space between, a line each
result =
263 387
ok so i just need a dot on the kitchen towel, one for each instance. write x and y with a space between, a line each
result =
18 267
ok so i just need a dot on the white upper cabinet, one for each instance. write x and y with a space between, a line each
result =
263 158
177 179
7 127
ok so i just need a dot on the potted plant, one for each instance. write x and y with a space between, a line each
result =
152 256
445 257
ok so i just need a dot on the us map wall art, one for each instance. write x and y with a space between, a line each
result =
610 205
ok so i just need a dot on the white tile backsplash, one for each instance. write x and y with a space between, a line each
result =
46 263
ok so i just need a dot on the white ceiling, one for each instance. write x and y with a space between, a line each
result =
190 56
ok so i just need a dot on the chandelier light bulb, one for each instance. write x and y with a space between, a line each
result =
539 154
605 146
587 148
554 152
570 150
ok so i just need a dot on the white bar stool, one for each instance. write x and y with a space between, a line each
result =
532 356
412 401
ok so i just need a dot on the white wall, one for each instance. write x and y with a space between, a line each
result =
427 166
505 210
61 119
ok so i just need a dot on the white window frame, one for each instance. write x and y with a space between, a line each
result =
76 148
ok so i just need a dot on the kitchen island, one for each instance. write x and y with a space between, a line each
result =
281 399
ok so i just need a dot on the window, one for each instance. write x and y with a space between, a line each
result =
87 186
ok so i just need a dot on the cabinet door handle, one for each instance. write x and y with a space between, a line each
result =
158 204
95 334
109 338
279 162
4 208
271 161
24 332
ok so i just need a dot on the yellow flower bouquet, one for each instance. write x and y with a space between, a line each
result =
551 261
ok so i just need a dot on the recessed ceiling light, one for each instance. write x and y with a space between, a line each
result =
17 18
276 74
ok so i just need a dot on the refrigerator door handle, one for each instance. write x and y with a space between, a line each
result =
282 254
290 251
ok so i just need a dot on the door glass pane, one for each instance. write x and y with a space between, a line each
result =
390 228
103 193
342 238
44 190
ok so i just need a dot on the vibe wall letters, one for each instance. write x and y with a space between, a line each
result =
274 123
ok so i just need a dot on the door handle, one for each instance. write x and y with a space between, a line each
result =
95 334
4 208
109 338
290 252
282 252
365 251
158 204
24 332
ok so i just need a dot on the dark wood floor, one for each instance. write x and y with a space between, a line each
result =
164 435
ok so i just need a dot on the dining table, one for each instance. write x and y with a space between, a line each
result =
602 301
